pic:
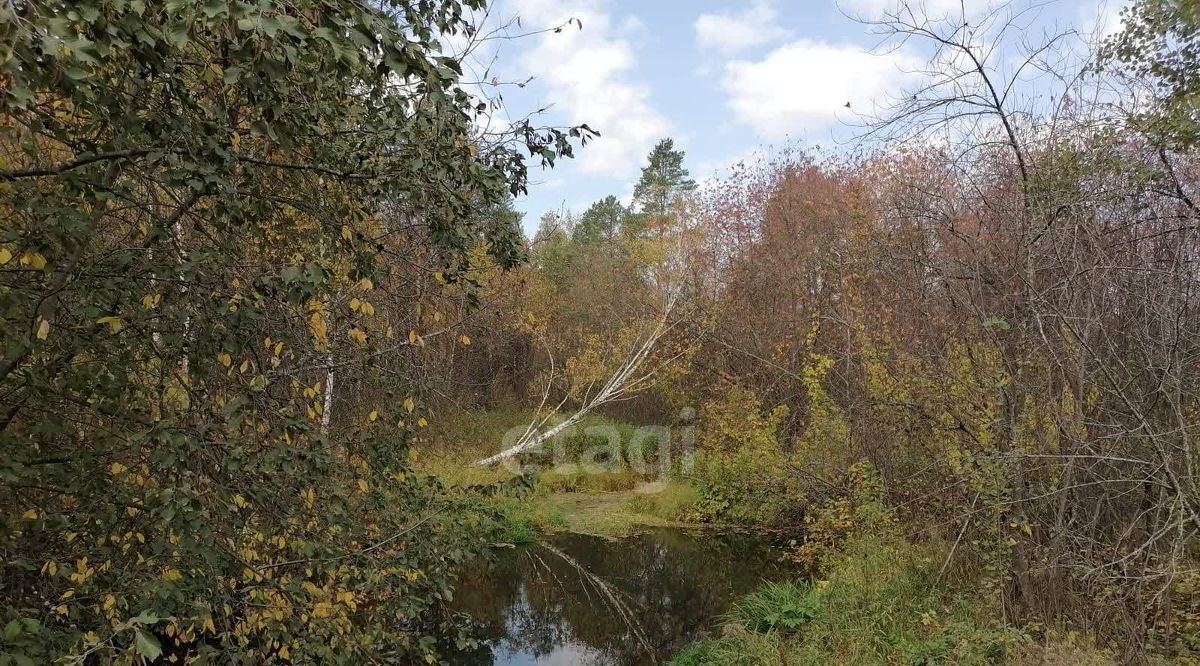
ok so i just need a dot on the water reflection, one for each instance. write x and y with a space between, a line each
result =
584 600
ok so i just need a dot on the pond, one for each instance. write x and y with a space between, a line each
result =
578 599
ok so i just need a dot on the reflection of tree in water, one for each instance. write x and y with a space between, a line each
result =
629 601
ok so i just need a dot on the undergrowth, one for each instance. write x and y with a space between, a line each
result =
877 603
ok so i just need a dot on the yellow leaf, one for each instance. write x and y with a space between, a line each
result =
464 339
412 337
354 304
409 404
367 309
347 233
357 335
116 468
422 422
31 514
150 301
109 601
366 284
5 255
316 324
172 575
33 259
224 359
114 323
373 415
43 329
176 396
362 485
239 501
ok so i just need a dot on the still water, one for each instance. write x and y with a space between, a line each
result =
584 600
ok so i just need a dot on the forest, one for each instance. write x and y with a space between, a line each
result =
285 380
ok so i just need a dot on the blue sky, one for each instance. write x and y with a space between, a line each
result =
724 78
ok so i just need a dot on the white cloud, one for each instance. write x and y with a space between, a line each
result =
805 85
730 33
588 76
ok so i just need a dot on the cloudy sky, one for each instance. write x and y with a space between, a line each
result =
724 78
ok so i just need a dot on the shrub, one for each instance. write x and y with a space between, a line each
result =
739 468
829 524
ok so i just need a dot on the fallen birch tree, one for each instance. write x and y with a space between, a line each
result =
629 377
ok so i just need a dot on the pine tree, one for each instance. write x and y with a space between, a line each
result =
602 221
663 180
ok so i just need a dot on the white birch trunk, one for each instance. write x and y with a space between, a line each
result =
327 406
627 378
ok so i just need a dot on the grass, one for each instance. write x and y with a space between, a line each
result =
671 502
611 514
776 606
606 498
522 520
573 479
878 604
737 647
455 439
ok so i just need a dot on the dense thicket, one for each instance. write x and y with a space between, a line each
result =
228 230
994 304
248 248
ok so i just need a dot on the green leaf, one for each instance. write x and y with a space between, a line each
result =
145 617
147 645
11 631
996 322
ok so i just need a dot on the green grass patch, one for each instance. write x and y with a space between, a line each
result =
737 647
673 501
585 484
572 479
455 439
878 603
523 519
782 606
